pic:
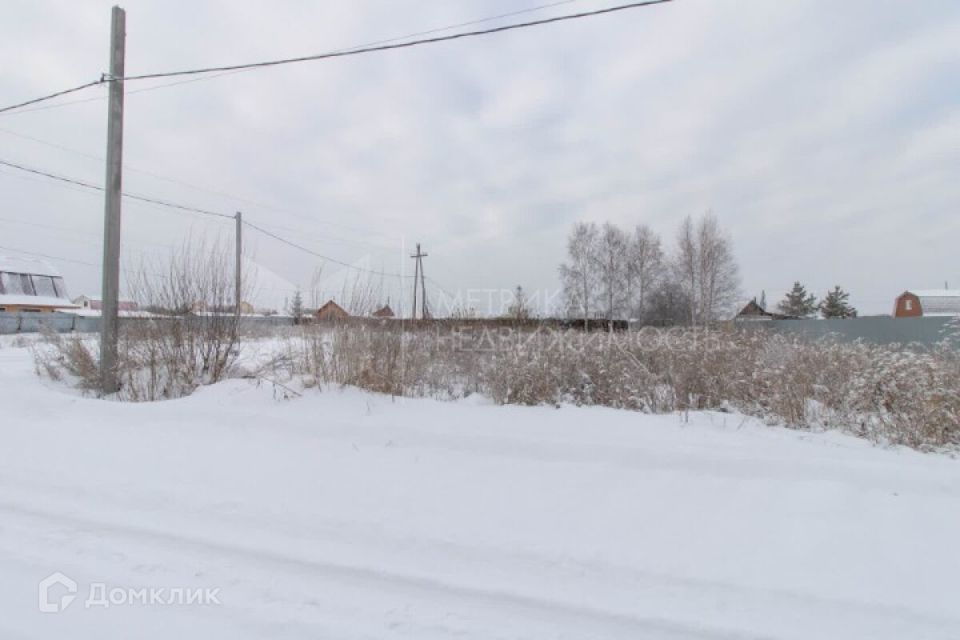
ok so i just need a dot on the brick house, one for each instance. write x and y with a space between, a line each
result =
331 311
384 312
927 302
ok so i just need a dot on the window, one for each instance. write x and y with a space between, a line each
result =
27 284
43 286
61 288
908 304
12 283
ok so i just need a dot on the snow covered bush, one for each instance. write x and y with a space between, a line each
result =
190 338
383 358
887 393
909 398
72 358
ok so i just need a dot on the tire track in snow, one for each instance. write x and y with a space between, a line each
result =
492 604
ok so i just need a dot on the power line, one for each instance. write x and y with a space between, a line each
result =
73 231
131 196
321 256
401 45
212 213
299 247
52 176
97 98
50 257
453 296
368 44
189 185
174 205
212 191
257 228
54 95
326 238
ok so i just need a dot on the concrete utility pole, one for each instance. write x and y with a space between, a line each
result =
418 275
111 220
239 269
425 310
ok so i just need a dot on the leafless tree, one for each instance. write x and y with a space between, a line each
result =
519 309
611 260
644 268
361 294
685 264
668 304
578 275
704 264
316 289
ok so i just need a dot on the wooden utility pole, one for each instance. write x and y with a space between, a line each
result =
418 275
239 268
111 220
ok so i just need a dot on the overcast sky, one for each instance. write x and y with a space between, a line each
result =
824 134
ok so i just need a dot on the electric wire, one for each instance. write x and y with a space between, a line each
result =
320 255
53 95
217 75
386 46
400 45
131 196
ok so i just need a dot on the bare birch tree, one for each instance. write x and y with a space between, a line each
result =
685 264
612 245
644 268
578 275
705 266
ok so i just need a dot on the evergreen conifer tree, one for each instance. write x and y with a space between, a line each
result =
798 302
835 305
296 307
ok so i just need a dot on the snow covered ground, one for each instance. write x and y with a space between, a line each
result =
347 515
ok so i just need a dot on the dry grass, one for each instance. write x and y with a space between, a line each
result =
193 339
886 393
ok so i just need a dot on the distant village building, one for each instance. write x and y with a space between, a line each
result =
927 302
95 303
384 312
331 311
31 285
753 312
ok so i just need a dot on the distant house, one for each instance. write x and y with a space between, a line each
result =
384 312
927 302
95 303
31 285
331 311
753 312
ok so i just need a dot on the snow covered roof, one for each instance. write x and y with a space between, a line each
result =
935 302
21 300
936 293
34 266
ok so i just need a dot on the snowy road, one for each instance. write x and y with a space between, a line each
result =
346 515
